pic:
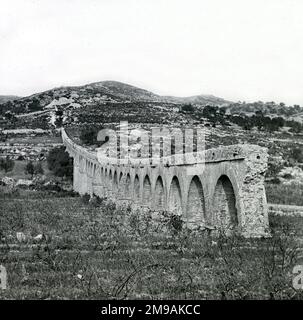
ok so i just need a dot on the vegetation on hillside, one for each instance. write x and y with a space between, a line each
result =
92 250
6 164
33 168
60 163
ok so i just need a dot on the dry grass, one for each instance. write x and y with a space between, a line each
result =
285 194
18 171
95 251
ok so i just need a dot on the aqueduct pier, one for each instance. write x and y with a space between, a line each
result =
227 192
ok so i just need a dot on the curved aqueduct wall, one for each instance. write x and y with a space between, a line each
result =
228 192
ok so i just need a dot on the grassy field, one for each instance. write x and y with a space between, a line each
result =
34 140
284 194
94 250
18 171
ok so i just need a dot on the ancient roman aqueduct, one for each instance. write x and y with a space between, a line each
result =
228 192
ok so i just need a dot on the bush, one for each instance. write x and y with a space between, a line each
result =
30 169
7 164
38 168
175 223
85 198
99 257
275 181
96 201
89 135
188 108
297 154
60 163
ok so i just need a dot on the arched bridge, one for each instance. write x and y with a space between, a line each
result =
228 192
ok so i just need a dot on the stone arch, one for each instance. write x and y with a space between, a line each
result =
127 186
98 175
137 189
159 196
115 183
120 184
146 191
110 180
175 197
224 204
195 208
106 176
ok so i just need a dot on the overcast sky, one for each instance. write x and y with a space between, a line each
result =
236 49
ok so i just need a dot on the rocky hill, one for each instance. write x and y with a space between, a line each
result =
112 101
199 100
98 92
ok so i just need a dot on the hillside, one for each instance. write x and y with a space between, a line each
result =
4 99
112 101
98 92
27 124
199 100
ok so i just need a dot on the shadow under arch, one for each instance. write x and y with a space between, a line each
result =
137 189
115 182
159 195
120 185
106 175
195 207
110 178
175 197
127 186
146 196
224 204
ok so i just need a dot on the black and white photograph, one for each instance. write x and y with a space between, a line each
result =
151 150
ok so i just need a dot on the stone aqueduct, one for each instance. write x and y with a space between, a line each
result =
228 192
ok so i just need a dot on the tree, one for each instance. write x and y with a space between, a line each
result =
209 112
59 118
7 164
34 105
222 111
38 168
188 108
30 169
33 169
10 116
89 135
60 163
297 154
3 137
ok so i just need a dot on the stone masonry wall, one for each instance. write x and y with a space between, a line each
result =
225 189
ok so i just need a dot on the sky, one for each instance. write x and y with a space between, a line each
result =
246 50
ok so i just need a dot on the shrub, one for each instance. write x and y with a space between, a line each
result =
297 154
85 198
30 169
96 201
60 163
7 164
89 135
188 108
175 223
38 168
